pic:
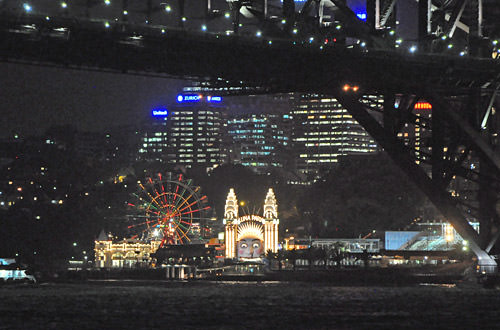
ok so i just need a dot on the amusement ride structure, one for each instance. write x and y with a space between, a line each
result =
170 209
166 210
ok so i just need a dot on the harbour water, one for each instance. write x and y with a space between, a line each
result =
245 305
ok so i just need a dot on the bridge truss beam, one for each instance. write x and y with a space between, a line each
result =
434 187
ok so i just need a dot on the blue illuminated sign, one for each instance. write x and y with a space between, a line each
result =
185 98
188 98
361 16
160 112
214 99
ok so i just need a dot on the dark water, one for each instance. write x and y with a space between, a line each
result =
236 305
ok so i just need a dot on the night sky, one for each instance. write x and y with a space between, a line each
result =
34 98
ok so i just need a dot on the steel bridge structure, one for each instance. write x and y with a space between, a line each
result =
331 47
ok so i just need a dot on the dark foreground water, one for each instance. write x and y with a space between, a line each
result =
236 305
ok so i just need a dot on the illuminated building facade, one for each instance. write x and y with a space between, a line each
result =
259 141
188 134
427 236
417 136
250 236
323 130
129 253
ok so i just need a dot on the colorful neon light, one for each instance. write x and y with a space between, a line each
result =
423 106
171 206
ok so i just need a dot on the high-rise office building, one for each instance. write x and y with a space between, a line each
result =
259 141
187 134
322 132
417 136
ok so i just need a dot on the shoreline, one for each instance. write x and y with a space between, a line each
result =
392 276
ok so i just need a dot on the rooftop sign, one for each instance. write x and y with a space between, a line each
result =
192 98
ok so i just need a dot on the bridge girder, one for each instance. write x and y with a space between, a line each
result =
433 186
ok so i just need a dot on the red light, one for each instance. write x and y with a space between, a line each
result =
334 39
423 106
326 41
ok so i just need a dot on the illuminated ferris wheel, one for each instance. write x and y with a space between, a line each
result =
170 210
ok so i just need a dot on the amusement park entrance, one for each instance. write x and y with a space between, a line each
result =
250 236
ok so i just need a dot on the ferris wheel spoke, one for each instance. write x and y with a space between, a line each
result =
186 200
180 239
185 222
188 206
171 204
178 184
197 210
181 201
184 234
140 224
158 195
150 196
184 189
180 213
153 212
164 194
176 190
179 232
179 225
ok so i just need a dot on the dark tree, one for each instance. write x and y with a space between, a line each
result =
361 195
